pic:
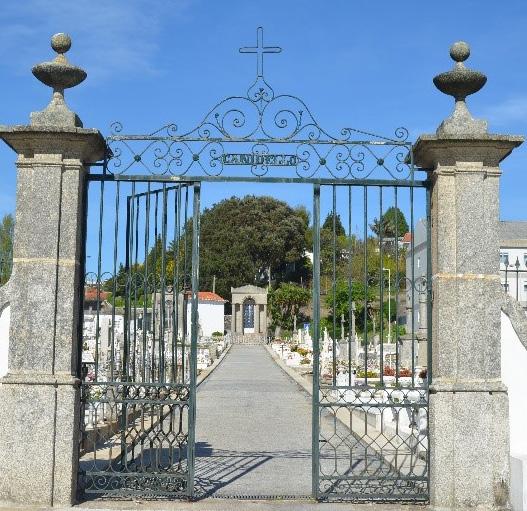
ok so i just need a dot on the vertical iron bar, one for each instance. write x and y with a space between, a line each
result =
114 280
163 283
173 359
154 295
350 285
194 336
184 301
185 264
381 289
124 361
176 299
397 284
365 253
135 246
99 266
429 288
429 321
128 298
82 287
315 424
334 293
146 289
412 251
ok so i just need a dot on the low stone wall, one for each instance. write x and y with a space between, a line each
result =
248 339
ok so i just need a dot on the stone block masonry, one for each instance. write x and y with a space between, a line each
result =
469 430
39 416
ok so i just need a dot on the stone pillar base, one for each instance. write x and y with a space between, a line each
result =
462 477
39 420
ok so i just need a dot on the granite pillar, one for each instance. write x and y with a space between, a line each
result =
468 417
39 416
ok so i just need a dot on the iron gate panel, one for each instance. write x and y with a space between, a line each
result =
370 409
139 374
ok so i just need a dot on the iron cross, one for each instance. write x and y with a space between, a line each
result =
260 49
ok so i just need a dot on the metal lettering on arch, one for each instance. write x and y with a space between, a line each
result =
370 398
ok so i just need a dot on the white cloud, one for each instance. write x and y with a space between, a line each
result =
109 37
509 111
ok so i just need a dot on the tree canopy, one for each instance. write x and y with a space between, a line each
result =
285 303
392 224
244 239
6 247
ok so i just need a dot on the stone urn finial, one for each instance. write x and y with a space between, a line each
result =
460 82
58 74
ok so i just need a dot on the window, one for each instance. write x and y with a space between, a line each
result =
504 258
418 262
525 259
505 287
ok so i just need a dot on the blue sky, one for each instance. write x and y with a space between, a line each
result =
364 64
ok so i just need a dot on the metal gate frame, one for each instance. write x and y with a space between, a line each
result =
400 470
279 141
132 408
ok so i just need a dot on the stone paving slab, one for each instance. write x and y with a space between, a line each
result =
253 429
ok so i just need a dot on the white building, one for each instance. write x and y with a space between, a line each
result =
416 273
211 313
513 259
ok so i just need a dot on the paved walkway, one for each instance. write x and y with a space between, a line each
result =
253 431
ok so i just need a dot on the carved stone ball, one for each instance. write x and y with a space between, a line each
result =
61 42
460 51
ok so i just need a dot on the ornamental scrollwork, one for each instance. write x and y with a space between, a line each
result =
258 127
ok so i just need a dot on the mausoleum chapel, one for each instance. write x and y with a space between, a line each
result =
249 310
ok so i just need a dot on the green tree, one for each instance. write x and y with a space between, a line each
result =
285 303
7 226
359 294
328 224
244 240
392 224
333 245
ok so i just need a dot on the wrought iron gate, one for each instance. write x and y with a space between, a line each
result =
370 393
139 374
370 412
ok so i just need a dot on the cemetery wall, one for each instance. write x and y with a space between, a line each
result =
513 364
5 315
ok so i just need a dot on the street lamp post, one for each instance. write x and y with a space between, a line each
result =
389 305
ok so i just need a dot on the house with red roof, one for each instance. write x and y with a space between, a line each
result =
211 312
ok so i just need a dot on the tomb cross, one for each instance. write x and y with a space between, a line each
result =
260 49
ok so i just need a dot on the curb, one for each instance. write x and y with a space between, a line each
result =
290 372
207 372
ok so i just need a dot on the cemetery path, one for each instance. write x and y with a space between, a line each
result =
253 429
